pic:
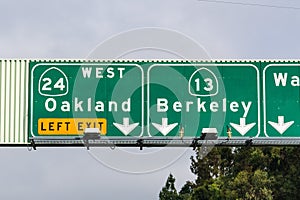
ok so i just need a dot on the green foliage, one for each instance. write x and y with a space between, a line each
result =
169 191
248 185
186 191
249 173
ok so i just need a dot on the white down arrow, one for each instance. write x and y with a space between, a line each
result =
164 128
242 128
126 128
281 127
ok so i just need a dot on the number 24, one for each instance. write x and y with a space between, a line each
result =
58 85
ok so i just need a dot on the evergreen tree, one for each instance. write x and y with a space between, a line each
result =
250 173
186 191
210 164
169 191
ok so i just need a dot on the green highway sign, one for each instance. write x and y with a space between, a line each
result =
193 97
164 99
281 90
68 97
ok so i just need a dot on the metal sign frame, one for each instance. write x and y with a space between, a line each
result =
20 74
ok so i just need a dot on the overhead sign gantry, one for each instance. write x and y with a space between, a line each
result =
158 102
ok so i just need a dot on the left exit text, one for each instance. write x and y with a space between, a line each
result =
70 126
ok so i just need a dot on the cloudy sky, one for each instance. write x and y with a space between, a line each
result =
73 29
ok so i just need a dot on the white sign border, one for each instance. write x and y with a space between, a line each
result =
204 65
81 64
264 91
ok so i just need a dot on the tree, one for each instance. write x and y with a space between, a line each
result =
284 167
250 173
186 191
169 191
210 164
251 186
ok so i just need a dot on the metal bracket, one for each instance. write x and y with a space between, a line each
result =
249 142
86 143
90 134
33 144
195 143
140 142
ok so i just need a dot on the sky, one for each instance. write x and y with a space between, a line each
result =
74 29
